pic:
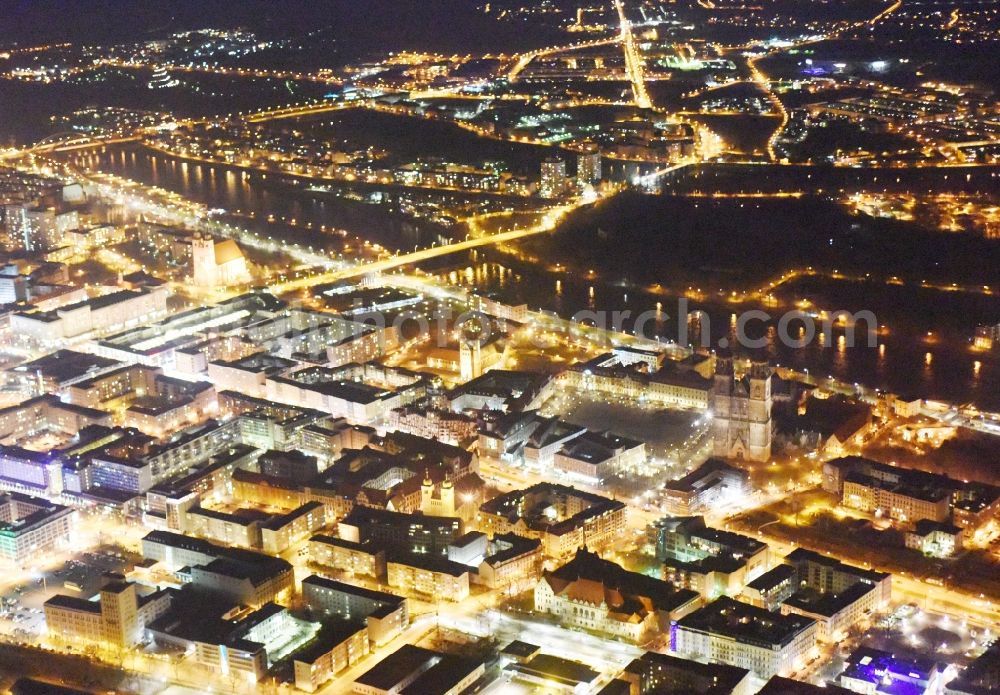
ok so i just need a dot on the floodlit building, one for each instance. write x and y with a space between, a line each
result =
670 675
730 632
712 485
365 559
588 166
934 539
412 670
217 264
330 652
742 427
554 182
90 318
415 533
233 574
563 518
909 496
31 527
119 618
385 614
874 672
428 576
707 560
597 594
836 595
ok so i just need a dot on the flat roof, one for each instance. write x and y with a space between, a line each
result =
564 671
342 587
67 364
786 686
745 623
443 676
398 666
520 649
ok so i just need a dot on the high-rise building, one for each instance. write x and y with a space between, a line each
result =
40 228
588 166
553 182
741 411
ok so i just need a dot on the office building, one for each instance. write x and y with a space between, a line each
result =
712 485
563 518
386 615
729 632
710 561
416 533
663 674
233 574
31 527
118 619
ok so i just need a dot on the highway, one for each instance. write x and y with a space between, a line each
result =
525 59
886 12
633 60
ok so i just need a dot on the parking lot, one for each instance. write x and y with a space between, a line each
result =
80 574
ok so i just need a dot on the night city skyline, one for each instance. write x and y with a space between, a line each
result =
626 347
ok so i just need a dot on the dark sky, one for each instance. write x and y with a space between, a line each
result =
30 21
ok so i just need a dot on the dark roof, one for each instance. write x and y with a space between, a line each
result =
432 563
397 666
370 594
706 474
557 669
828 604
520 649
588 577
745 623
925 527
74 603
67 364
800 556
677 676
685 378
786 686
616 687
442 677
773 577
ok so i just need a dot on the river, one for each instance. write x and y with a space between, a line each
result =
905 360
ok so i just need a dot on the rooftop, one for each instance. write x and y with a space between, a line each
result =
745 623
398 666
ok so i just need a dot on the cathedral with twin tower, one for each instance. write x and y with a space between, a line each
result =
741 410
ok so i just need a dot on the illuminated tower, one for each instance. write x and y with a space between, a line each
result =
426 493
205 271
447 498
120 614
742 427
470 349
588 166
553 183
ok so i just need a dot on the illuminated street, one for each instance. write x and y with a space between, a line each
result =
501 347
